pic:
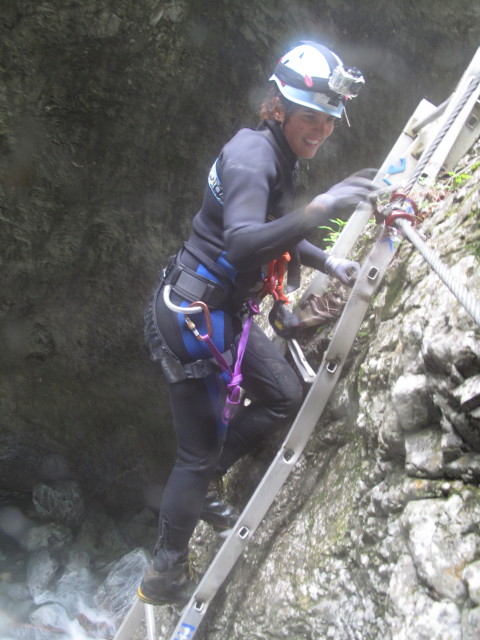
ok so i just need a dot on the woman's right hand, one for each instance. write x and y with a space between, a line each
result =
343 197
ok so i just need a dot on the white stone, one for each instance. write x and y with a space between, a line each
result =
411 402
440 543
424 453
471 575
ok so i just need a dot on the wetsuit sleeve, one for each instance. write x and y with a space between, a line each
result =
311 256
248 177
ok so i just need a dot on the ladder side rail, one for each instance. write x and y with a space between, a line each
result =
150 622
441 153
131 621
344 244
440 110
468 82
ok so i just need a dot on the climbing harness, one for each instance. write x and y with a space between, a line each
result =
272 285
401 214
173 369
184 281
191 285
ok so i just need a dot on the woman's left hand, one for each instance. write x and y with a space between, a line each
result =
345 270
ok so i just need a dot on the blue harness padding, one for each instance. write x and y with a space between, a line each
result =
194 347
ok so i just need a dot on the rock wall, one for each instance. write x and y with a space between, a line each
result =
110 116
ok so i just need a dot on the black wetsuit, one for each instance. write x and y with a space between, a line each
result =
245 221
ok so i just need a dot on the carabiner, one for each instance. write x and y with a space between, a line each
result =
406 209
191 325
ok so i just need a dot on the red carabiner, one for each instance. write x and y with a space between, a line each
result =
402 213
273 282
208 320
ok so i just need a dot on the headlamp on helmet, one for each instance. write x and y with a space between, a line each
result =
313 76
346 82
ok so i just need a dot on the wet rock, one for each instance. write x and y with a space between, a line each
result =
413 614
466 353
141 529
53 536
118 591
51 615
14 523
471 624
61 502
113 543
17 591
465 467
391 436
93 527
41 570
468 393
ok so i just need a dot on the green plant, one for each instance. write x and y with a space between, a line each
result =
333 233
459 179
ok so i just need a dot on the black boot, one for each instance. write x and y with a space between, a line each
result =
166 580
217 512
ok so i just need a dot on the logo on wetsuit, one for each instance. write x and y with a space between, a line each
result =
214 183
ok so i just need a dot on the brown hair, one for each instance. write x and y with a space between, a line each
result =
274 99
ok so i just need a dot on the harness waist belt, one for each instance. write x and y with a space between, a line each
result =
192 286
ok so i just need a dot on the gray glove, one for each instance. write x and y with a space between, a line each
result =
345 270
343 196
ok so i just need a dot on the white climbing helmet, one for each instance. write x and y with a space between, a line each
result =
313 76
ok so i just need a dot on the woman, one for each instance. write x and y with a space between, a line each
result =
246 221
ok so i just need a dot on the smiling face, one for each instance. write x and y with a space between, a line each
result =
305 130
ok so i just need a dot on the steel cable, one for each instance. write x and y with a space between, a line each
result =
472 306
466 299
441 134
